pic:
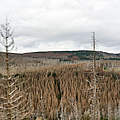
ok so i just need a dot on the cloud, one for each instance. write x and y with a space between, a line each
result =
64 24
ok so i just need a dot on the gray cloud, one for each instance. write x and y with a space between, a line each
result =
64 24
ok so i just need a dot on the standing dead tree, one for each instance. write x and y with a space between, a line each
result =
15 98
7 41
94 103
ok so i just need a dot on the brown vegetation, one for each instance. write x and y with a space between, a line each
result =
52 85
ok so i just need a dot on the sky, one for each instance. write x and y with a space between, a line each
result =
55 25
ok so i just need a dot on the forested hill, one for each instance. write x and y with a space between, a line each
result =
73 55
67 55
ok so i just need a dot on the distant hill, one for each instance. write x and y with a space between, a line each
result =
65 55
73 55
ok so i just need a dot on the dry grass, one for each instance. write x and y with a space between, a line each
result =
66 82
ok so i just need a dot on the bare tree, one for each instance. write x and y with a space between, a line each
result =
93 90
7 41
15 98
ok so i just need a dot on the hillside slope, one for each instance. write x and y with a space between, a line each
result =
59 55
72 55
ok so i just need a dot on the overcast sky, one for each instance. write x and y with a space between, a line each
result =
46 25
